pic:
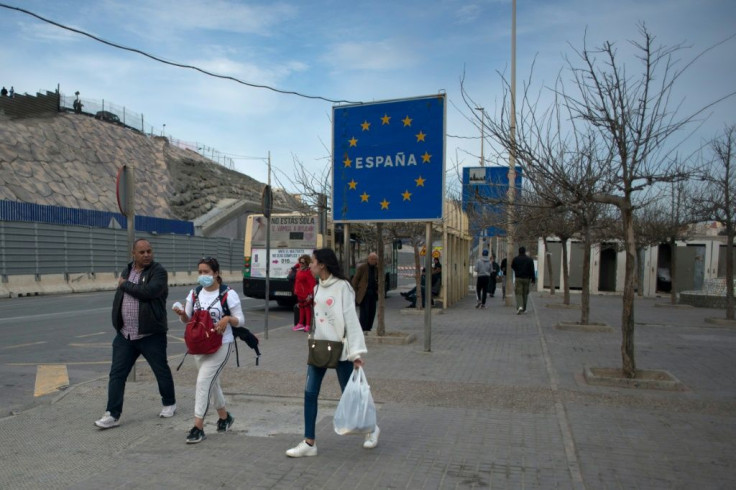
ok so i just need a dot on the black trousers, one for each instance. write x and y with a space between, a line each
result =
492 285
368 310
481 288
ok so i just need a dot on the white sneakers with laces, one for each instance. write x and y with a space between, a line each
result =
371 440
168 411
107 421
302 450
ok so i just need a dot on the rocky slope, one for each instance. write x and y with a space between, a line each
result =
72 160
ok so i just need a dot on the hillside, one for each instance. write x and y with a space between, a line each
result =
72 160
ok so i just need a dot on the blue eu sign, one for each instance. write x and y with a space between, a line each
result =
389 160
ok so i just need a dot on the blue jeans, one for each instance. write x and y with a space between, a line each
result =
311 392
124 354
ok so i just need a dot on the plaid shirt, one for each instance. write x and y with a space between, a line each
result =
130 310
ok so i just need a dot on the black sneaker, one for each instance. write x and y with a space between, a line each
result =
223 425
196 435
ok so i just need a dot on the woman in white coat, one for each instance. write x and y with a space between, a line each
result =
334 319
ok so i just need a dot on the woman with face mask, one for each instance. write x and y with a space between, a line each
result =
212 295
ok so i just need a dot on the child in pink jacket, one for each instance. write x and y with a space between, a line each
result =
304 291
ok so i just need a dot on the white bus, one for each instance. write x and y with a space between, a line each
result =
292 235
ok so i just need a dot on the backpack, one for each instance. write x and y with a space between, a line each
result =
200 335
241 333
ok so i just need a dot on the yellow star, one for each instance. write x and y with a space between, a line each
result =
426 157
407 121
407 195
419 181
385 119
348 162
352 184
353 141
364 197
384 204
420 136
366 126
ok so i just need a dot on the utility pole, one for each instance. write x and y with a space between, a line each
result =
482 133
511 193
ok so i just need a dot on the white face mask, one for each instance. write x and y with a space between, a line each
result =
205 280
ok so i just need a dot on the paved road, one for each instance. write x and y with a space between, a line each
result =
73 332
499 402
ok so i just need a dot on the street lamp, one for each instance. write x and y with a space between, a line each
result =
163 131
482 133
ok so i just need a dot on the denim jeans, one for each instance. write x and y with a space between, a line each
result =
124 354
311 392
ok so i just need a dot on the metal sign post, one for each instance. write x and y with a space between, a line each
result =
126 203
267 205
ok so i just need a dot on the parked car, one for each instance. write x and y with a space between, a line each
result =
107 116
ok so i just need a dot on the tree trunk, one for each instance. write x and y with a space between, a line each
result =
565 274
673 270
550 272
627 315
381 327
729 269
585 296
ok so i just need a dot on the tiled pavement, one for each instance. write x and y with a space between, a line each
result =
499 402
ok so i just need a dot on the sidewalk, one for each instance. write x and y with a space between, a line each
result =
499 402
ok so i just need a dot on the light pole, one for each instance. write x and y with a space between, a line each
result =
482 133
512 164
163 131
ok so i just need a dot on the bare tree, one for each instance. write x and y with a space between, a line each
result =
634 120
718 200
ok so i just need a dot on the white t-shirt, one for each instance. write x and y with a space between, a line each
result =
206 298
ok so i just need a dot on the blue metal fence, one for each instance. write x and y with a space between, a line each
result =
41 213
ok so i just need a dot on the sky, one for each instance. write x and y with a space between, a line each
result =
342 51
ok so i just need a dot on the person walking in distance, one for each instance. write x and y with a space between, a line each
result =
523 267
495 269
139 317
335 319
483 275
223 306
365 283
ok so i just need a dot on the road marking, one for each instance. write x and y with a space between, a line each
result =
62 314
49 378
91 335
95 345
17 346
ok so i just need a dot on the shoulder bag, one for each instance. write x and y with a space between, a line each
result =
323 353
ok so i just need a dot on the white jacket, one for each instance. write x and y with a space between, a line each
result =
335 317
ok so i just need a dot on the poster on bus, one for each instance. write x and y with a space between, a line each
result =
296 231
282 260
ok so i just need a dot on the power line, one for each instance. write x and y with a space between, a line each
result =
172 63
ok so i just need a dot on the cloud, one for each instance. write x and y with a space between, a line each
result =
371 55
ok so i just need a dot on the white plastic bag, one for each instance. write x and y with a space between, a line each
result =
356 412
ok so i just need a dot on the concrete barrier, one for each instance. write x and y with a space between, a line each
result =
30 285
24 285
55 284
91 281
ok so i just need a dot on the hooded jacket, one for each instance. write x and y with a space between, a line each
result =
335 317
151 293
483 266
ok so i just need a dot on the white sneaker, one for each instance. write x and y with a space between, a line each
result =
519 311
302 449
107 421
371 440
168 411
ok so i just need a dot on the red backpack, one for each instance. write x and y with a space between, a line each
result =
200 335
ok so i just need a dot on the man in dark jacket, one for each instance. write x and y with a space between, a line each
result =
523 267
139 316
365 284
